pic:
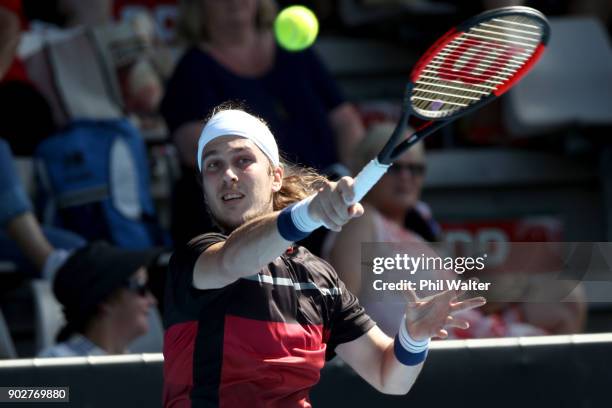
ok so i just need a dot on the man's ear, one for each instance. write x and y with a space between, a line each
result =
277 182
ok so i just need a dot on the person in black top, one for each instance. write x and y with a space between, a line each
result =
250 317
232 55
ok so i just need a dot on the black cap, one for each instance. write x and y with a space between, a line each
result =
91 274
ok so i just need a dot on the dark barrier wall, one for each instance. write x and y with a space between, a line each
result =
531 375
96 382
560 371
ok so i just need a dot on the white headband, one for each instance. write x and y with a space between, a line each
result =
238 123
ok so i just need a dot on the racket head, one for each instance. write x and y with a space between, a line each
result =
476 62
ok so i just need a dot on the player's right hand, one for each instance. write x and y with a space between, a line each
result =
333 204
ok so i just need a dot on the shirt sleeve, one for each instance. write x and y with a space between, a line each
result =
183 301
349 320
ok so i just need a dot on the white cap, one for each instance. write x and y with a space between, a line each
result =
238 123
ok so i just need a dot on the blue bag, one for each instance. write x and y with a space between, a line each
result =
94 180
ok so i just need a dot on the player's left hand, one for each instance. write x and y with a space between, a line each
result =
433 315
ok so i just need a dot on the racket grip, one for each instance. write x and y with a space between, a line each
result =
368 177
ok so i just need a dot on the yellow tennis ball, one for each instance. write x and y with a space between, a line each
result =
296 28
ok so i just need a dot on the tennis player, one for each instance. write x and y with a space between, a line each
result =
251 317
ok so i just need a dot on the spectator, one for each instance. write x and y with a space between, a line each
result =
232 55
105 298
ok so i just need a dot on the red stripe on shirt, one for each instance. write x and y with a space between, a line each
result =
272 363
179 343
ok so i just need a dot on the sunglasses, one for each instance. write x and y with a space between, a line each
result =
417 170
137 287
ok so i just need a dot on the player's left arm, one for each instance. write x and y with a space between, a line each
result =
374 356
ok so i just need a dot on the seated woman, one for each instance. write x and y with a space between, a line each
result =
232 56
386 206
105 298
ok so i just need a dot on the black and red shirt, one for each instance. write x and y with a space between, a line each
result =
260 341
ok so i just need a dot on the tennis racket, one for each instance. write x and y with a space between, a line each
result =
470 66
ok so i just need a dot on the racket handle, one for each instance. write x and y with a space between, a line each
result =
368 177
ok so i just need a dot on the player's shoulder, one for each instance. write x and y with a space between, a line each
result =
316 268
203 241
191 250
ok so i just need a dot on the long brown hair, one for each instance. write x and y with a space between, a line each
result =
298 183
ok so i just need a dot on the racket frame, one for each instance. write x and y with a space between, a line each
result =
377 167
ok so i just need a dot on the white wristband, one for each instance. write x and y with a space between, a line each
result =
300 217
410 344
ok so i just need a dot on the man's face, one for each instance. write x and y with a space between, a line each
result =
237 181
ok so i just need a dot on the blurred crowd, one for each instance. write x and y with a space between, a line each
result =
102 105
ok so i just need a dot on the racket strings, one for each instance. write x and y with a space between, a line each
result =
518 20
461 84
467 50
474 64
464 58
462 54
529 33
498 39
491 78
490 29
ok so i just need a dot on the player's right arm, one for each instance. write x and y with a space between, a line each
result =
258 242
246 250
